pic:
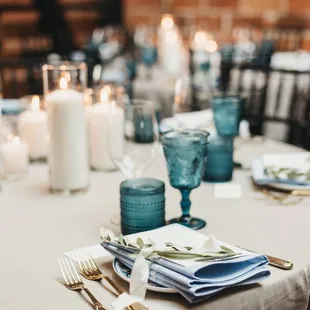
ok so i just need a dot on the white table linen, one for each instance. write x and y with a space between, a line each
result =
37 227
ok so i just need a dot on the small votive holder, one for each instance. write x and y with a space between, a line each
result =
32 127
142 205
219 166
227 114
14 158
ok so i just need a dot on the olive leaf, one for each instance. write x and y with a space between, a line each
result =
140 243
226 249
288 173
121 240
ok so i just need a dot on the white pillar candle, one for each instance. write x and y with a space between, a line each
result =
101 133
32 127
171 51
68 149
14 157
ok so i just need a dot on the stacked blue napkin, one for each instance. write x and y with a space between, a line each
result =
198 280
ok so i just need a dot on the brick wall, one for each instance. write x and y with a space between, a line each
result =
221 15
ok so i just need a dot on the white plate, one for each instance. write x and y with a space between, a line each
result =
289 187
123 272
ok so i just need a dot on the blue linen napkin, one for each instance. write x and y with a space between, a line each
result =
200 292
196 280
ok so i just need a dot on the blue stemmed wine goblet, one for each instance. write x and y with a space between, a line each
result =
186 153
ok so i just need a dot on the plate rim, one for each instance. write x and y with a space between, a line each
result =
148 286
289 187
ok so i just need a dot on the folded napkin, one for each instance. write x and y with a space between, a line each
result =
290 168
192 120
194 280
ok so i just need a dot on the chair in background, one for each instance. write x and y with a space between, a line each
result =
278 101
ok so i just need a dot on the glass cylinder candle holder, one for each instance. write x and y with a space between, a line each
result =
32 127
142 205
64 86
219 165
227 114
98 114
14 158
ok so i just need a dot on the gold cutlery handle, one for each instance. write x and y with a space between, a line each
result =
120 291
280 263
97 304
301 192
117 288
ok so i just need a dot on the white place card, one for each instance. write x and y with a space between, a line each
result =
227 190
96 251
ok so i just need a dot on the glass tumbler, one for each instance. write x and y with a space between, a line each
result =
142 205
219 166
227 114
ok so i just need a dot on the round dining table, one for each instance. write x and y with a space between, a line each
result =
37 227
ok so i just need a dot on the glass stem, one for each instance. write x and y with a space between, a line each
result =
185 202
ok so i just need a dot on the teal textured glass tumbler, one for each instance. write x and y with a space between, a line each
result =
186 153
142 205
219 166
227 114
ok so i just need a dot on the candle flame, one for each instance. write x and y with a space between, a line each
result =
63 84
167 21
105 93
16 140
211 46
200 38
35 103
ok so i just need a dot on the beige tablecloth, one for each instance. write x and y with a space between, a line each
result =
37 227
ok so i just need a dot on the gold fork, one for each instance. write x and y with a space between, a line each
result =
73 281
91 271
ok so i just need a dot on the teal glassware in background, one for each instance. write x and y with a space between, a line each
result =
227 114
149 55
144 129
219 166
142 205
186 152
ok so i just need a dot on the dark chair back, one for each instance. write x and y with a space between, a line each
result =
277 101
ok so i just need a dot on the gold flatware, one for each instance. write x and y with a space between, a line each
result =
291 197
73 281
91 271
284 198
275 261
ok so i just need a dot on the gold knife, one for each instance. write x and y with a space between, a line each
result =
275 261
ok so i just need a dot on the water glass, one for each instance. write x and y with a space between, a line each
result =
186 154
135 125
219 166
142 205
227 114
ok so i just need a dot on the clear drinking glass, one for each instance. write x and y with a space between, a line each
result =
132 136
186 155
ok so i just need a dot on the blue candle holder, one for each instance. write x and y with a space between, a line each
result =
142 205
227 114
219 166
186 154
